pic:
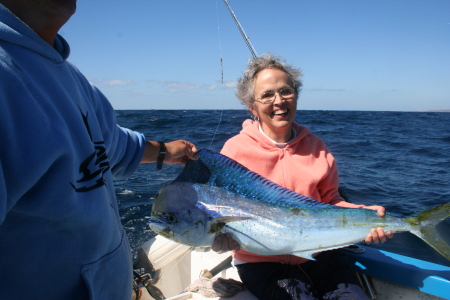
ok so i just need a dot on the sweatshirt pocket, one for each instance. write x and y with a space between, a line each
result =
110 277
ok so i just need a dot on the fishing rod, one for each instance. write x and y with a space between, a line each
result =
241 30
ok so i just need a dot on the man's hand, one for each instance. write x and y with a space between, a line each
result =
177 152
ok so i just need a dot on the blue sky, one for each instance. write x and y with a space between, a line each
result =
391 55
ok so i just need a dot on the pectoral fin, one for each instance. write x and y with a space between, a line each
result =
228 219
219 223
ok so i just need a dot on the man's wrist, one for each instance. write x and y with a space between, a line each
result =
161 155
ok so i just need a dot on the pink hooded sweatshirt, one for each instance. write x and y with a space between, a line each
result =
305 166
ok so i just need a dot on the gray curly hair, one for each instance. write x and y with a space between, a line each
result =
245 86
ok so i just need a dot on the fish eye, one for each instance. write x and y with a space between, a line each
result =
171 218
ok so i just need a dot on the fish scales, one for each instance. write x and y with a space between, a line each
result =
216 195
274 229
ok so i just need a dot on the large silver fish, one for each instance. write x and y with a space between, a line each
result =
217 195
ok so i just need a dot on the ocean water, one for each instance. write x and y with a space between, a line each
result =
400 160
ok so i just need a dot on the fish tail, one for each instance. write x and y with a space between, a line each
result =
425 227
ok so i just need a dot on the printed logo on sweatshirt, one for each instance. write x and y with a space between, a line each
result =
94 166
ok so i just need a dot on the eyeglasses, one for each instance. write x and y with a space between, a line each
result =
269 97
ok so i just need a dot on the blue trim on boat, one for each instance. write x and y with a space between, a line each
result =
421 275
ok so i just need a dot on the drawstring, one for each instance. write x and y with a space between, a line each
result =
312 285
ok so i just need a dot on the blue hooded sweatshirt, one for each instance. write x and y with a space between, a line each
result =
60 230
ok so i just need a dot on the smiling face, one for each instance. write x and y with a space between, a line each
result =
276 118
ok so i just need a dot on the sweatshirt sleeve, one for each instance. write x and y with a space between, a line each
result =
228 149
329 186
233 144
3 200
125 147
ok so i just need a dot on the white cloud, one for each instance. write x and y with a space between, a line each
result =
175 85
114 82
325 90
117 82
229 83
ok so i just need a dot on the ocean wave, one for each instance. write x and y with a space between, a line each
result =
400 160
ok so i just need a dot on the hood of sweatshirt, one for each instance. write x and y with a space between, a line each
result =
251 129
14 31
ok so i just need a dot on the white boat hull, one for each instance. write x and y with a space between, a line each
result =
179 265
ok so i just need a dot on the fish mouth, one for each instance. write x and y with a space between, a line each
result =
158 226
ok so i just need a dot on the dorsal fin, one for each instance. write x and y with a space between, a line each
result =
218 170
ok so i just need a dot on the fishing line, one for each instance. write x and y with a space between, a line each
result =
249 237
221 71
220 41
247 42
165 284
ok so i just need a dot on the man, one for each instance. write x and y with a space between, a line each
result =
60 230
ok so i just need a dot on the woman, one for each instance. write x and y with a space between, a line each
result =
287 153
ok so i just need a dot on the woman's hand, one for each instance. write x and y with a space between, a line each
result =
377 235
224 242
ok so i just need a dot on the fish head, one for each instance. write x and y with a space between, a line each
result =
176 215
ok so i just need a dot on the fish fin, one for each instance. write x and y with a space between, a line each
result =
219 170
308 254
305 254
194 171
427 221
228 219
219 223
